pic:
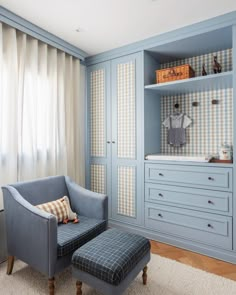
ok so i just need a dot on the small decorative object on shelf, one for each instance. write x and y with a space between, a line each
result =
204 73
175 73
225 152
216 66
195 104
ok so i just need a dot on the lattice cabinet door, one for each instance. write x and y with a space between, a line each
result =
99 141
126 139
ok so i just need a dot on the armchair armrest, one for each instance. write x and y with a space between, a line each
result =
87 203
31 233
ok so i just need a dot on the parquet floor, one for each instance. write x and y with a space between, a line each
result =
208 264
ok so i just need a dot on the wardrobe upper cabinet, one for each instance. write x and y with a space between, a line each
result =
126 88
115 163
99 127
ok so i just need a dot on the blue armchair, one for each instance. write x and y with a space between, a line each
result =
34 236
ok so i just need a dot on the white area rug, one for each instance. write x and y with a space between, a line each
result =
165 277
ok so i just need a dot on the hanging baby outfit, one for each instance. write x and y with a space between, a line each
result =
176 124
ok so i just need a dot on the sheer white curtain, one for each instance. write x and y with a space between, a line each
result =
41 110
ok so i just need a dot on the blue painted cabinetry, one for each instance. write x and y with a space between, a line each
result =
180 208
190 205
114 104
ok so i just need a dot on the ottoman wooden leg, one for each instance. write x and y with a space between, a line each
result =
78 288
51 286
145 275
10 264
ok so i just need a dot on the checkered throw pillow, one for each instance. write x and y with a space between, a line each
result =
61 209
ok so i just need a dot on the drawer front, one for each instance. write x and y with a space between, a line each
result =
195 176
192 198
201 227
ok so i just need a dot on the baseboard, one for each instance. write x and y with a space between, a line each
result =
207 250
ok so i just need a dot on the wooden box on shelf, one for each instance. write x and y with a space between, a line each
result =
175 73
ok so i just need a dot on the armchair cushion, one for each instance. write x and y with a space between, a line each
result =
72 236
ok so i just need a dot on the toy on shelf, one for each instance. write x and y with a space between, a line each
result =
216 66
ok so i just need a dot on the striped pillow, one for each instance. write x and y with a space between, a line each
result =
61 209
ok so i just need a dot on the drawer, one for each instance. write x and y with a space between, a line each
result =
201 227
195 176
190 198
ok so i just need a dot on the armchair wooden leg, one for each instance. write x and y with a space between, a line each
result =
51 286
78 288
10 264
145 275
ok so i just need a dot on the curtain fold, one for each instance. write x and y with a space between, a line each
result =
41 110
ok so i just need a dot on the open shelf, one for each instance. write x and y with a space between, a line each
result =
197 84
199 44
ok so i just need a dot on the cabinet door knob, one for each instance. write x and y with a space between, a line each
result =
210 178
108 141
209 225
160 215
160 195
210 202
160 174
113 141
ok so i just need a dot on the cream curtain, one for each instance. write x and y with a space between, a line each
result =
41 110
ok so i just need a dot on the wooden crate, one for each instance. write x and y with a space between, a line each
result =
175 73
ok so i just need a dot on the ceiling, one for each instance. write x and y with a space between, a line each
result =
107 24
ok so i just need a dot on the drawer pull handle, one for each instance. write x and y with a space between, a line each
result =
160 215
160 174
209 225
160 195
210 202
210 178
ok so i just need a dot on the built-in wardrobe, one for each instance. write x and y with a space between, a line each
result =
187 204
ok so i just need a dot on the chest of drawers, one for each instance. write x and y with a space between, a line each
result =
190 202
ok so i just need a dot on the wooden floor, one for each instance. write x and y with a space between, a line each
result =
208 264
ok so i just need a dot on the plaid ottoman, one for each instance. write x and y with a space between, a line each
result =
111 261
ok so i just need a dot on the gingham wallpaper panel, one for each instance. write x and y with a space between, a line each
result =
127 191
224 57
211 124
98 178
126 111
97 114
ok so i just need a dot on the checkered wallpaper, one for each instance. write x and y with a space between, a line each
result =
98 178
224 57
97 114
211 124
126 191
126 111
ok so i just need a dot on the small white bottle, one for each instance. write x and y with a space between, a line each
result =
225 152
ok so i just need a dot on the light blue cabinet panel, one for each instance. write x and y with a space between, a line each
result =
114 143
99 127
205 228
197 199
210 178
126 138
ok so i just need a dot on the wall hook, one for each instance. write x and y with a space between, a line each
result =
215 101
176 105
